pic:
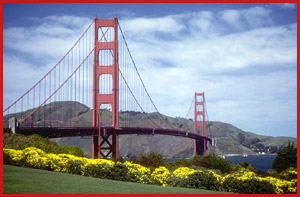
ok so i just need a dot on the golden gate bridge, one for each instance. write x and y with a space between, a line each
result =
99 72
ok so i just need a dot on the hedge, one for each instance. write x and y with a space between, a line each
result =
242 181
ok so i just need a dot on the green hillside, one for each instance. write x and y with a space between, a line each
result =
19 180
229 139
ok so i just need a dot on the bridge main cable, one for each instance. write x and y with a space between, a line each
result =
50 69
69 77
142 80
53 93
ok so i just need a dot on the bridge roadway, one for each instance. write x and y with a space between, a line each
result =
56 132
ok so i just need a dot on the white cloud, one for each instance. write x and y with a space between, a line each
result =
19 75
263 46
69 21
257 16
287 5
180 54
39 48
146 26
53 30
203 21
194 60
231 16
254 17
44 38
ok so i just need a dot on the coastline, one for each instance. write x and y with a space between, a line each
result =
242 155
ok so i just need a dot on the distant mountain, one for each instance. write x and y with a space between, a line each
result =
228 138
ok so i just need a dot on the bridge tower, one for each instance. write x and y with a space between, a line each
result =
112 98
199 122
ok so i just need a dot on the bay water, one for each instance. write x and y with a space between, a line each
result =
258 162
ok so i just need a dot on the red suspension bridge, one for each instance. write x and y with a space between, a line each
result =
98 75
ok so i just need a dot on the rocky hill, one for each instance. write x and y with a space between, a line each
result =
228 138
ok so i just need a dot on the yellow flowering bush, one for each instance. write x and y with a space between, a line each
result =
281 186
289 174
183 172
242 174
14 157
242 181
70 163
215 175
35 158
137 173
160 176
190 178
55 163
100 168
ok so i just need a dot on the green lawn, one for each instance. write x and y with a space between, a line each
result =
19 180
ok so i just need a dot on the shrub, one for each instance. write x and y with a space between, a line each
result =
151 160
133 159
262 173
241 181
247 165
212 161
185 177
72 150
20 142
13 157
201 179
218 163
173 165
35 158
248 186
71 164
288 174
160 176
119 172
181 163
118 159
137 173
243 176
273 173
99 168
183 172
200 161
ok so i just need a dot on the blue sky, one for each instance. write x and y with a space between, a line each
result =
243 56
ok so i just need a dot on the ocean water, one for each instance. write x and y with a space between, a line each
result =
259 162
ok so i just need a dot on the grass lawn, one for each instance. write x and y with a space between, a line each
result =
19 180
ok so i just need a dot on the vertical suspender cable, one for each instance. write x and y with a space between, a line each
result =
79 75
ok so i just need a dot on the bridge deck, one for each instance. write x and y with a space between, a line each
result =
55 132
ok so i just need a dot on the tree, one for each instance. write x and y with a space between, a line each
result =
286 158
